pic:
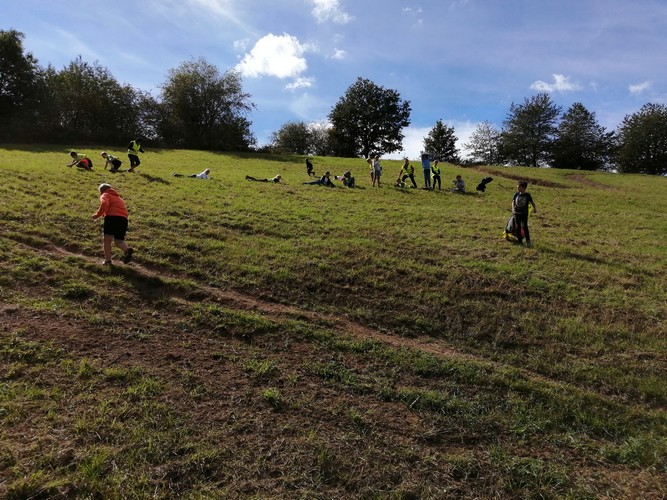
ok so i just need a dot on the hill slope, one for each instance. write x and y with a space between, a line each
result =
295 341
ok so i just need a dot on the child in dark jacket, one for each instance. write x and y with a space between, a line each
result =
521 203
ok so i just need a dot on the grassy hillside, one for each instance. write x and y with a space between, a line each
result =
294 341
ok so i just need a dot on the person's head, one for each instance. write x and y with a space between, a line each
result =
521 186
278 177
347 173
207 171
139 139
458 177
104 187
103 154
327 174
406 161
73 154
435 162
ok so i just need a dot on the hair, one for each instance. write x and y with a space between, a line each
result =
523 184
73 154
103 154
103 187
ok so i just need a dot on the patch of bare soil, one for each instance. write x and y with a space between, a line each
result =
586 180
515 177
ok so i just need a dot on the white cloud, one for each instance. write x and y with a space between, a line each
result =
339 54
241 45
301 83
330 10
640 88
561 84
279 56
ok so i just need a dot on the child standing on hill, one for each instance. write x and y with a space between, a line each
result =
377 170
133 148
520 209
112 208
435 171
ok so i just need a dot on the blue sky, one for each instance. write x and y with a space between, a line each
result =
460 61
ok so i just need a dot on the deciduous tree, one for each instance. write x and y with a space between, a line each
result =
18 73
293 137
484 145
369 119
204 109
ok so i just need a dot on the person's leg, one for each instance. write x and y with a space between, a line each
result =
427 179
121 244
108 239
526 232
175 174
127 250
134 162
412 179
520 223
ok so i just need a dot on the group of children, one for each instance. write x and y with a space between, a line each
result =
85 163
112 206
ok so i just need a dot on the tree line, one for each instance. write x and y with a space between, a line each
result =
535 133
200 107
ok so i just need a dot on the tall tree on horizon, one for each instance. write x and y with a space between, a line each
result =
369 119
642 141
18 75
204 109
440 143
529 131
581 143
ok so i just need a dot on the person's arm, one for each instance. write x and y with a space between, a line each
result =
533 204
104 205
73 162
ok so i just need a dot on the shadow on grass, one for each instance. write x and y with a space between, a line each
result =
150 288
151 178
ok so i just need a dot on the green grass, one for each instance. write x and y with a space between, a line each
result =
218 366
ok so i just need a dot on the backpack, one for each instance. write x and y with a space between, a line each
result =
510 231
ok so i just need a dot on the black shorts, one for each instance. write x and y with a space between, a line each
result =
116 226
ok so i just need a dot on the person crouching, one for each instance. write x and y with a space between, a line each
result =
112 208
